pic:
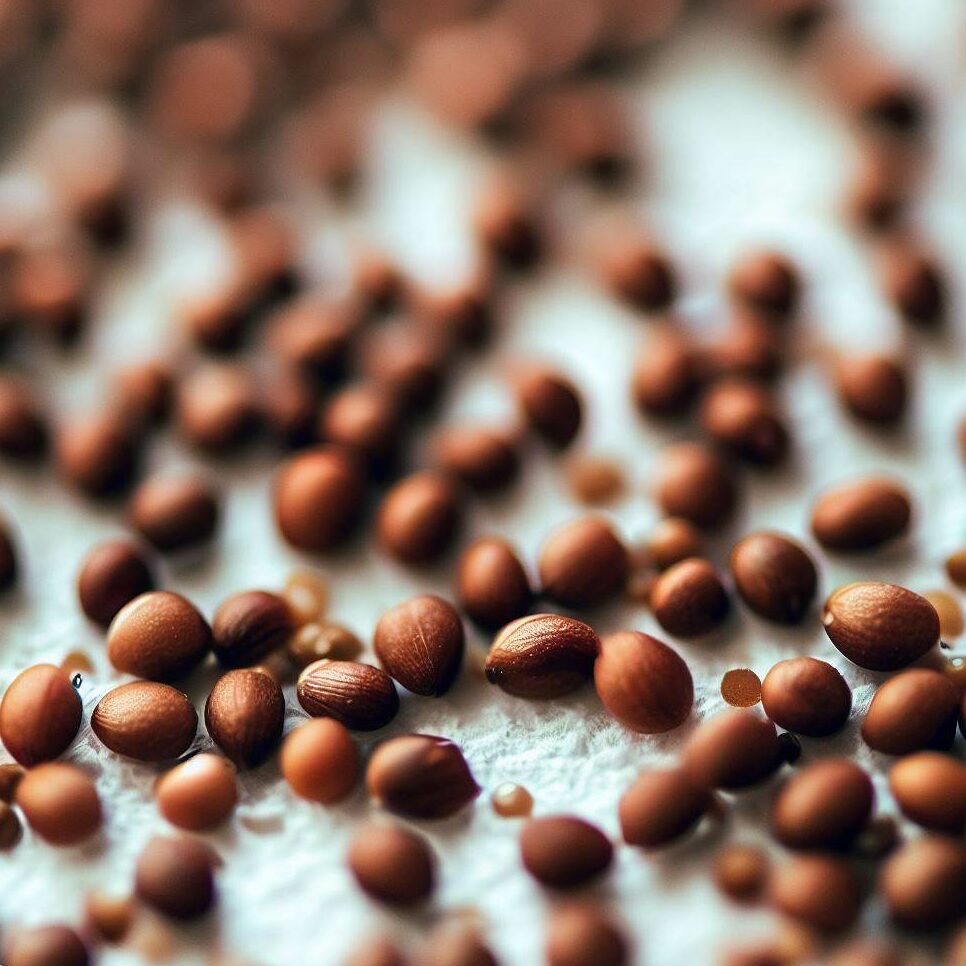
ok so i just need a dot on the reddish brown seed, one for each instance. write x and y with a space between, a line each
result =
741 688
861 514
765 282
288 403
109 918
689 599
750 347
420 643
806 696
930 789
564 852
693 483
595 480
250 625
365 420
408 363
112 575
159 635
881 627
733 750
244 715
819 891
97 455
542 656
320 761
421 777
359 696
491 584
419 518
775 576
643 683
11 831
580 934
312 336
741 872
40 714
550 403
174 876
45 946
319 497
174 512
482 458
216 319
923 883
146 721
60 803
198 795
582 564
672 541
914 710
913 283
873 388
661 806
23 426
743 418
666 375
143 391
506 227
48 287
638 273
216 409
392 865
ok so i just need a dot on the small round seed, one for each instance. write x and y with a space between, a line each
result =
912 711
320 761
695 484
198 795
741 872
689 598
40 714
744 419
174 876
486 460
861 514
419 518
873 388
550 403
60 803
249 626
491 584
775 577
174 513
806 696
666 375
741 688
582 564
765 282
512 801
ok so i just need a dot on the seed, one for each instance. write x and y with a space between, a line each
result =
512 801
364 420
912 711
923 883
582 564
420 643
76 662
806 696
159 635
861 514
639 585
420 776
311 336
23 426
10 777
97 455
486 460
40 714
174 875
407 362
765 282
750 348
45 946
666 377
733 750
689 599
199 794
287 405
672 541
643 683
419 518
744 418
491 584
174 513
950 613
320 761
873 388
506 227
819 891
661 806
550 404
564 852
692 482
581 934
638 273
108 917
775 577
376 951
392 865
143 391
9 565
60 803
244 714
595 480
542 656
913 283
307 596
930 788
145 721
880 627
741 688
956 568
10 829
791 747
879 837
112 575
315 642
360 696
249 626
741 872
215 408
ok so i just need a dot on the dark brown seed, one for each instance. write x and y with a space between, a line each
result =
672 541
45 946
873 388
666 374
174 513
774 575
741 872
506 228
491 584
10 777
143 392
689 599
419 518
914 710
551 404
174 876
733 750
765 282
564 852
913 283
320 761
216 409
249 626
582 564
661 806
583 935
40 714
216 320
861 515
112 575
791 747
11 831
824 806
638 273
146 721
60 803
23 426
97 455
360 696
542 656
923 883
643 683
806 696
420 776
820 892
378 281
743 418
484 459
420 643
365 420
244 715
392 865
693 483
880 627
930 788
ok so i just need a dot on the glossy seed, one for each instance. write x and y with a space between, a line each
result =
360 696
146 721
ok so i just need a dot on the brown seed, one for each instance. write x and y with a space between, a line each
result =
419 518
638 273
320 761
913 283
689 599
248 626
693 483
741 872
143 391
60 803
956 568
743 418
461 314
365 420
774 575
482 458
40 714
359 696
23 426
174 876
319 497
45 946
661 806
216 320
307 596
733 750
912 711
244 715
456 944
216 409
542 656
109 918
564 852
506 228
10 777
951 623
392 865
880 627
199 794
873 388
512 801
174 512
288 403
930 788
312 335
819 891
112 575
824 806
595 480
580 934
806 696
10 829
672 541
550 403
491 584
861 515
9 564
97 455
879 837
666 375
159 635
145 721
741 688
315 642
765 282
407 362
582 564
750 348
643 683
923 883
420 776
